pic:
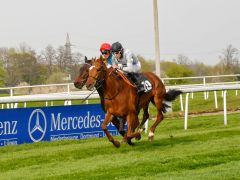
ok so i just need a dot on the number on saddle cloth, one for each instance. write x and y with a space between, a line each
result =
140 80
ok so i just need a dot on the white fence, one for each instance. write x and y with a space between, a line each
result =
12 100
68 87
215 88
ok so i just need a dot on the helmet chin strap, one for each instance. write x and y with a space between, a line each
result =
121 52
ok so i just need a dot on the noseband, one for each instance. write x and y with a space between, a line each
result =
98 78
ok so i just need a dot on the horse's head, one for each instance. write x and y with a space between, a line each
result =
83 73
96 73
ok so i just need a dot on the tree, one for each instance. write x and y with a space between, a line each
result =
146 65
2 75
60 58
21 67
182 59
200 69
229 60
49 58
27 67
172 69
57 77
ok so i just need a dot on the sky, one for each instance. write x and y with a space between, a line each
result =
198 29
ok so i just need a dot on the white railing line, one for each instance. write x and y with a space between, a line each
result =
48 97
34 86
173 78
211 88
200 77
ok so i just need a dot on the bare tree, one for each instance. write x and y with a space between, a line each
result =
60 58
4 57
49 57
78 59
229 59
184 60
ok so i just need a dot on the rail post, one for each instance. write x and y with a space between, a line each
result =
216 101
225 106
186 112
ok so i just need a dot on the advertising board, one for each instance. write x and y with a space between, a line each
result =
27 125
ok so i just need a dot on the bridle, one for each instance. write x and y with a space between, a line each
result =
100 78
82 81
97 78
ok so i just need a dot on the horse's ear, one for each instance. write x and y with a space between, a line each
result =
85 59
101 58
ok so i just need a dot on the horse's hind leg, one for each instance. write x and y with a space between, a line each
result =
158 104
106 121
121 131
133 122
144 118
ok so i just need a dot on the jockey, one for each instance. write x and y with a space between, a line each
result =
105 50
128 62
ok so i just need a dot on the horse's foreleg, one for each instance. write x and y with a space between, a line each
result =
106 121
133 122
118 125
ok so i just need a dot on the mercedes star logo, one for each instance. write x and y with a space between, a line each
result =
37 125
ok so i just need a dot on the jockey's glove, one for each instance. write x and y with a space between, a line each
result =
120 66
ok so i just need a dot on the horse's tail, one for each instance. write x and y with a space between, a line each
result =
172 94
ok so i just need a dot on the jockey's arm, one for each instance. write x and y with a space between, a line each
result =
133 64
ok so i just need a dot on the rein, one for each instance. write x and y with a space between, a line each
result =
90 94
115 93
125 78
100 84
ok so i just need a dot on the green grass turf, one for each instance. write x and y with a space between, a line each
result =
207 150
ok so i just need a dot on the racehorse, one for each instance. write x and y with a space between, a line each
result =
80 81
121 99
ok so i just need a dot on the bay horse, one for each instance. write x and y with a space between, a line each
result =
121 99
80 81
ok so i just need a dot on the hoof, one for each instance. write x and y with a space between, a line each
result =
116 144
138 137
130 143
150 136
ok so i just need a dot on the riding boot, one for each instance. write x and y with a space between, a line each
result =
140 88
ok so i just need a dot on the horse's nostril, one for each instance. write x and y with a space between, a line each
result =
78 85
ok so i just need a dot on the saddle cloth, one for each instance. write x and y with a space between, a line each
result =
140 80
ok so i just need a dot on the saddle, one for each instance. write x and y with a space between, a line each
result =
141 82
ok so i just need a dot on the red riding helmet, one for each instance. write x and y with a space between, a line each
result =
105 47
